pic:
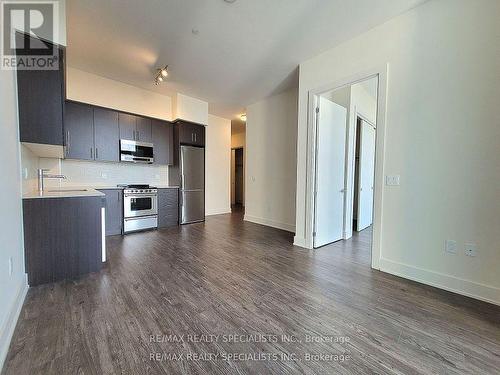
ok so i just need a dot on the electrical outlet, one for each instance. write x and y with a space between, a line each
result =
470 249
392 180
450 246
11 268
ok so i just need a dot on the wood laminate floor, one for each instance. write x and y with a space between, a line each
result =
247 284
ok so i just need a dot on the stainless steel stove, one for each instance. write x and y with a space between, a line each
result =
140 208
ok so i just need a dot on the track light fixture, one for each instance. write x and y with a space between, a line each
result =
161 74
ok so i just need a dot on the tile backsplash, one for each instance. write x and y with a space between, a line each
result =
91 173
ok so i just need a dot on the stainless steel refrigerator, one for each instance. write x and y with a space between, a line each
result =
192 172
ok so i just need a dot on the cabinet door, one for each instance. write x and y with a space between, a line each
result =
168 207
127 126
186 133
163 146
78 126
143 133
199 135
106 135
114 211
40 96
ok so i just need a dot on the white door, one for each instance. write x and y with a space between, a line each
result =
366 176
330 166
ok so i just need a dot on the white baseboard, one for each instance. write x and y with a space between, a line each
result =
300 241
10 324
218 211
450 283
270 223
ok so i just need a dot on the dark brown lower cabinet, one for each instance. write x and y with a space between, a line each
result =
114 211
168 207
62 238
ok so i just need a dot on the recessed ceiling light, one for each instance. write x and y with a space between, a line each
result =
195 31
230 1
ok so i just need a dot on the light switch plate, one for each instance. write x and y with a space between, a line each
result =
450 246
470 249
392 180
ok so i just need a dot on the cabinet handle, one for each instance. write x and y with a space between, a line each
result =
137 135
195 137
96 153
91 153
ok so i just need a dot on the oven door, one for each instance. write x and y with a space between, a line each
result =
135 205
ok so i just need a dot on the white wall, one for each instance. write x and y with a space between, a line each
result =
13 286
271 132
190 109
94 89
442 138
218 164
238 140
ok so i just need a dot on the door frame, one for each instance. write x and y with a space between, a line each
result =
356 135
381 73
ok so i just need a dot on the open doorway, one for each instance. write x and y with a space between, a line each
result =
237 179
345 120
238 140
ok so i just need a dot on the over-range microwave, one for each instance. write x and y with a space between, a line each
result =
136 152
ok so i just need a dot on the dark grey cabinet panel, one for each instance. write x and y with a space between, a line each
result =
191 134
62 238
143 130
163 142
114 211
78 126
106 135
168 207
40 100
127 126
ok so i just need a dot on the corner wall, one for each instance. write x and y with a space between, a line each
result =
271 135
218 166
442 138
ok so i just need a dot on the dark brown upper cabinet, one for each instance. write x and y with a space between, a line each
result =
135 128
143 130
79 131
106 135
127 126
41 96
191 134
163 147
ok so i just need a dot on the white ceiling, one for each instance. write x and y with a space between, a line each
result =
242 53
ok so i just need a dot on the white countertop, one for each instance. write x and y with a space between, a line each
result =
66 192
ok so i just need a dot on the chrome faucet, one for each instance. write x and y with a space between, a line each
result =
42 175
